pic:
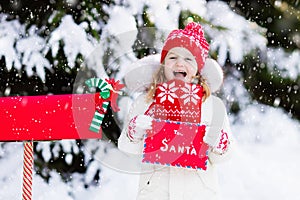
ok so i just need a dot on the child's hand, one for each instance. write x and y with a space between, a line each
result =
212 136
137 127
144 122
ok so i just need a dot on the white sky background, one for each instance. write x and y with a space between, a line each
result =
266 162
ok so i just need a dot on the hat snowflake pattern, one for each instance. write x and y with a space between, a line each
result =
192 38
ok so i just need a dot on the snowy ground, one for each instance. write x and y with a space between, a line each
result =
265 166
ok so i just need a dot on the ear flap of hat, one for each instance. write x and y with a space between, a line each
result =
140 74
213 74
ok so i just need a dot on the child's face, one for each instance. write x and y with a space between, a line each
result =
180 64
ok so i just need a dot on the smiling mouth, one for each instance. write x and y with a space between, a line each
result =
180 74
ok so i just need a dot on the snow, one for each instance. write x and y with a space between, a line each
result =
195 6
267 168
31 48
122 33
126 23
134 7
234 90
287 63
266 162
45 148
9 34
162 13
75 40
238 39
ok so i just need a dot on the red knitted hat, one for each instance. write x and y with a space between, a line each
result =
191 38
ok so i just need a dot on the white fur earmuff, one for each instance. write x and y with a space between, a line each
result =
213 74
140 74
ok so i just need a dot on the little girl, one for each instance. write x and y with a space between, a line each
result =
183 58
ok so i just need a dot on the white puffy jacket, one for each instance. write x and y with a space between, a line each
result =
173 183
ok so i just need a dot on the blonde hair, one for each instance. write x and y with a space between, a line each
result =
159 77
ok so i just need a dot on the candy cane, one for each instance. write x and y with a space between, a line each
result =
27 170
98 118
105 93
99 83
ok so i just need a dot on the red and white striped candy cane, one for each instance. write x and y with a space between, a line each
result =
27 170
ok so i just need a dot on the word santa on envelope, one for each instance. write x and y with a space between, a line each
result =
176 138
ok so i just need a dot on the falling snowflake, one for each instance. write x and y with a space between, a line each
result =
190 93
167 92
